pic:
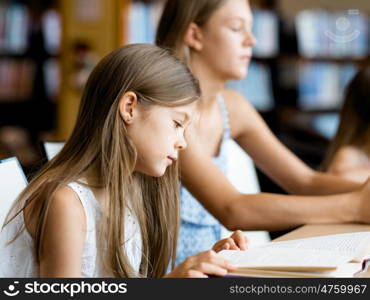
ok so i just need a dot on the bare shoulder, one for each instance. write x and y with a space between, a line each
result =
65 208
234 99
350 152
347 156
241 112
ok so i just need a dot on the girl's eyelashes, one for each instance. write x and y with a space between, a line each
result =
236 25
241 29
236 29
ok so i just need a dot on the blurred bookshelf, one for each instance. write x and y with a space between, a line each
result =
325 44
296 79
29 75
306 53
47 49
321 44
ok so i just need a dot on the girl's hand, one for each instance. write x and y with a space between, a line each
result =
237 241
202 265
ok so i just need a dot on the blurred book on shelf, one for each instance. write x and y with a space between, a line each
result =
266 30
14 28
322 84
52 31
52 78
322 33
16 79
143 21
326 124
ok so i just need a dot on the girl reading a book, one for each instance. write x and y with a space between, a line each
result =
349 154
214 37
107 204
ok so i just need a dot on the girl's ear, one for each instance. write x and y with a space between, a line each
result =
193 37
128 107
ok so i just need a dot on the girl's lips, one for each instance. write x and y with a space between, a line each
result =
246 57
172 159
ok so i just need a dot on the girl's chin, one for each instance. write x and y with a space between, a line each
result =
152 172
237 76
157 173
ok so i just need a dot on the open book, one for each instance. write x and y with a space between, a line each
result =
339 255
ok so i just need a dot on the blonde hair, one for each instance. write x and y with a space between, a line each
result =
177 16
100 141
354 127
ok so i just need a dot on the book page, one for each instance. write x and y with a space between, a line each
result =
286 259
317 253
346 270
356 244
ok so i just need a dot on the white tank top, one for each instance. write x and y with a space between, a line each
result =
18 258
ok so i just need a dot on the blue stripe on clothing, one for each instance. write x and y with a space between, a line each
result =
199 229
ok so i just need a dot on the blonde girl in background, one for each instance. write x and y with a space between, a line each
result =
214 38
349 153
107 204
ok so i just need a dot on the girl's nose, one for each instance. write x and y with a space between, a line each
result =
181 143
250 39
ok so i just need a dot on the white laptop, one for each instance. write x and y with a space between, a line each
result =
52 148
12 183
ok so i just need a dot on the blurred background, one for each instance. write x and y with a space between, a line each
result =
307 51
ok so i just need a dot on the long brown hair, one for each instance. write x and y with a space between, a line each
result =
354 127
100 141
176 17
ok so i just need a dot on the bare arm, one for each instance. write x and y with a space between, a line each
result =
261 211
65 229
354 174
273 158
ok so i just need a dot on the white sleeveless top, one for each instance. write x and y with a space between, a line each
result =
18 258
